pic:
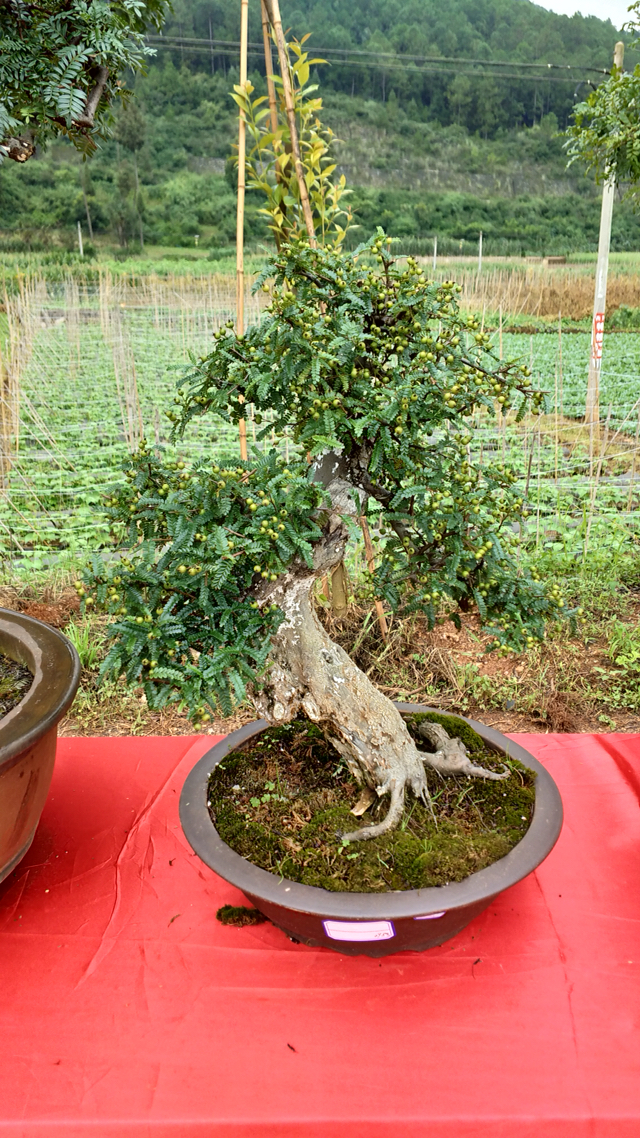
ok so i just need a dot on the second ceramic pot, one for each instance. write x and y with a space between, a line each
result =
28 733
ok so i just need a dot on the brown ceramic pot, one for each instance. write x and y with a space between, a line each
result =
28 733
376 924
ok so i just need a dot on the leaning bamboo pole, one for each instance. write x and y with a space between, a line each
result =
273 10
268 64
371 564
271 93
244 36
339 586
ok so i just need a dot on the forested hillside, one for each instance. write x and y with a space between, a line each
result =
415 48
428 145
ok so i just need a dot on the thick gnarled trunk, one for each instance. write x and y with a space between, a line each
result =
311 675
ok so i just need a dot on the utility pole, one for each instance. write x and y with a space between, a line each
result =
592 408
86 202
80 240
480 253
435 252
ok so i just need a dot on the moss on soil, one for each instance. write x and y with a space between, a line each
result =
283 799
15 681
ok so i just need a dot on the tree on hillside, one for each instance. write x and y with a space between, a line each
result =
131 132
60 63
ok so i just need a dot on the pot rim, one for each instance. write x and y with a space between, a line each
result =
538 841
56 668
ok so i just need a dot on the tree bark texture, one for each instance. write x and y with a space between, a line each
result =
93 98
312 676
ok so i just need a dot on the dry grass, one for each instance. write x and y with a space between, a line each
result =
116 710
537 290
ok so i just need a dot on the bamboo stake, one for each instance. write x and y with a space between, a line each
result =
539 477
268 63
339 586
340 600
633 465
244 35
271 91
371 563
273 10
592 404
555 429
560 377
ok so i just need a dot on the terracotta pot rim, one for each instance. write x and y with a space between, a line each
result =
260 884
56 668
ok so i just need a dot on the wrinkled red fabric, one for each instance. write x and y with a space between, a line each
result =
128 1011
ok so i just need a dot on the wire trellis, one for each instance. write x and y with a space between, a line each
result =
87 371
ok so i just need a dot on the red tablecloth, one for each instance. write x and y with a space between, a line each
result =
127 1010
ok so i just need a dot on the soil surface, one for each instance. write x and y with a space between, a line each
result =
285 797
54 610
15 681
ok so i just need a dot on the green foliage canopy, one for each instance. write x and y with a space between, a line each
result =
605 133
60 63
356 354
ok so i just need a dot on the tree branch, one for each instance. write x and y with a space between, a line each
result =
93 98
20 149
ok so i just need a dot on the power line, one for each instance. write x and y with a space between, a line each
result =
200 43
393 56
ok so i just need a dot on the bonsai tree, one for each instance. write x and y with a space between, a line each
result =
60 62
376 372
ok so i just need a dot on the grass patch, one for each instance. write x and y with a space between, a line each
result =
284 799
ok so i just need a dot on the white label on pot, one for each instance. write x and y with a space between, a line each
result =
359 930
430 916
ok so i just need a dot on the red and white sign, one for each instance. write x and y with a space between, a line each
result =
597 337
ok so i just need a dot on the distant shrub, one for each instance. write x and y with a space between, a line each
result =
624 318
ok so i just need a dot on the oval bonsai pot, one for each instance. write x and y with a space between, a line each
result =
376 924
28 732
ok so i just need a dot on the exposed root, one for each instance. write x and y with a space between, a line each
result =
389 822
451 756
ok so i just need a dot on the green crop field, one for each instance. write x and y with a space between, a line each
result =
91 367
565 371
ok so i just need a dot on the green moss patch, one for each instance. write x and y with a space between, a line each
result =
15 681
239 916
284 798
